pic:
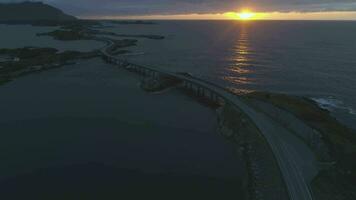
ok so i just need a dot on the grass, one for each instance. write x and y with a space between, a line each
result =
39 56
118 44
65 35
151 84
333 185
3 81
42 57
340 139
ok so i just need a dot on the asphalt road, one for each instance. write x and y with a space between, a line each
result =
294 158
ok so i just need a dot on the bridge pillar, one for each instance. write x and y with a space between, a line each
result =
192 86
186 85
215 98
202 92
199 91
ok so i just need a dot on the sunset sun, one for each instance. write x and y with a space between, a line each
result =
245 15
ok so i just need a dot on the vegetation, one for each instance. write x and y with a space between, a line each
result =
31 59
160 83
118 44
80 31
36 56
334 185
63 23
132 22
66 35
153 37
340 139
3 81
31 11
120 51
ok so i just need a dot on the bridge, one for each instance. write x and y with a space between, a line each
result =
294 173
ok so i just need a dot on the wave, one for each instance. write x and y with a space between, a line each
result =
331 103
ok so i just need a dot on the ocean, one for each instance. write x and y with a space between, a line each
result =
316 59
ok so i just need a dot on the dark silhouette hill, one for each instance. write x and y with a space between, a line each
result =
31 11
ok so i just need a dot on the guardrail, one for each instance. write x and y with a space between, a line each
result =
222 95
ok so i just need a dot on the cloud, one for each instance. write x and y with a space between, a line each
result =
147 7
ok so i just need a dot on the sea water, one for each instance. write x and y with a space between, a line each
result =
316 59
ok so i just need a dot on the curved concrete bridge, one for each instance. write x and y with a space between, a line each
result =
296 161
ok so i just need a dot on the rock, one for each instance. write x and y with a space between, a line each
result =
37 67
150 85
227 132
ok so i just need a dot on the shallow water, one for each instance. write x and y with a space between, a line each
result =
308 58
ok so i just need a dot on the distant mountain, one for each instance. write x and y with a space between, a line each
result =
31 11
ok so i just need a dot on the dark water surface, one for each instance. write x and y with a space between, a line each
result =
87 131
316 59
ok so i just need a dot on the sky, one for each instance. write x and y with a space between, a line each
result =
207 9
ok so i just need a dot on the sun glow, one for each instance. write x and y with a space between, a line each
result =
245 15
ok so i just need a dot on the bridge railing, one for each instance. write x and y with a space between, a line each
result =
199 83
221 93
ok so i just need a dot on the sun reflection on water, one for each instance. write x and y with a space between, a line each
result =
241 62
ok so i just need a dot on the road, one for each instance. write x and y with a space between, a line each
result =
296 161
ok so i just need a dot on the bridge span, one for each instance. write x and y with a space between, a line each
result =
296 174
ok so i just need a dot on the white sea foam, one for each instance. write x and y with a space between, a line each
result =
331 103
